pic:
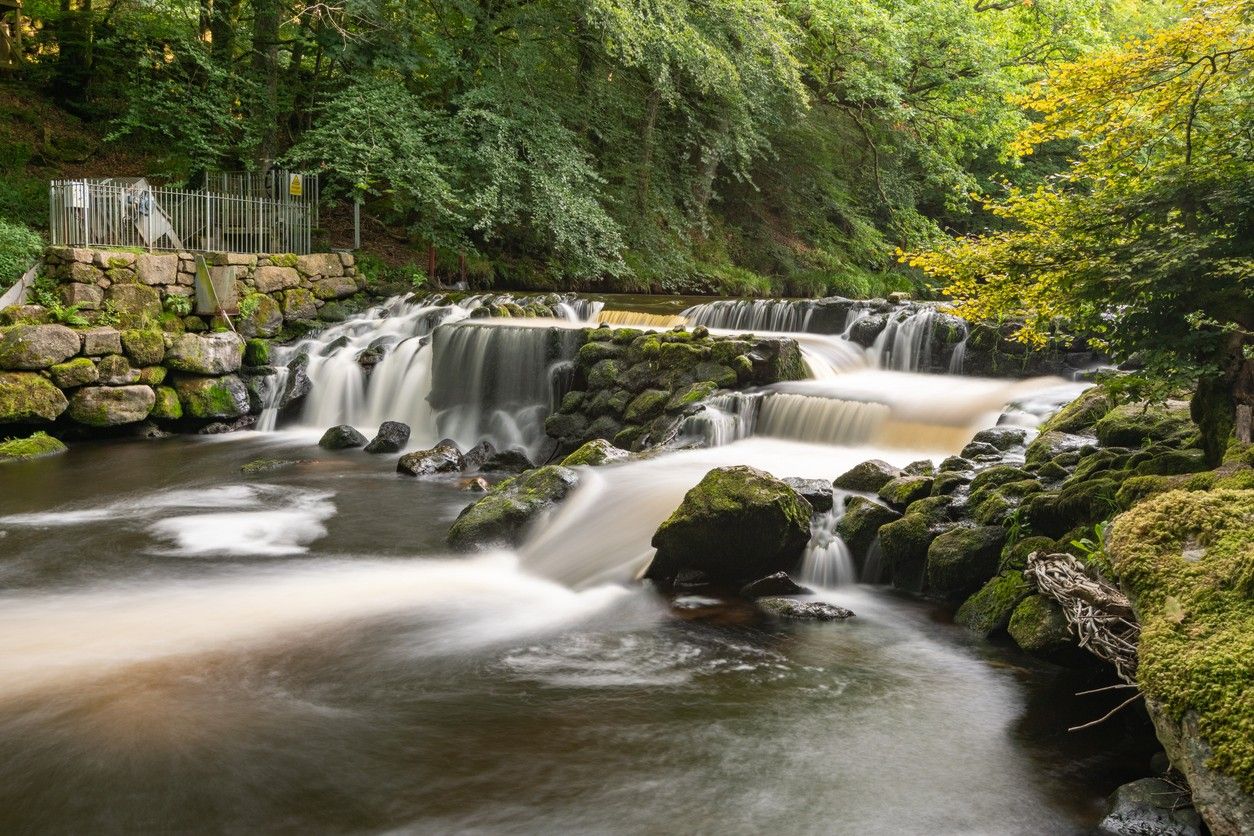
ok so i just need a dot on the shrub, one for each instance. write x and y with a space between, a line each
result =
19 247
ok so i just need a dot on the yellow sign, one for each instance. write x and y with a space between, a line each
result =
294 188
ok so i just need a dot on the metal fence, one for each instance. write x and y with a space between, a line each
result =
266 213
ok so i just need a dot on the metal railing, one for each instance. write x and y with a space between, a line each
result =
129 212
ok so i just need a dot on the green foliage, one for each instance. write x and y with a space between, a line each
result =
19 248
44 292
179 305
249 305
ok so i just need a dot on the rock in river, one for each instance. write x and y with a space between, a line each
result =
391 438
803 610
444 457
341 437
501 517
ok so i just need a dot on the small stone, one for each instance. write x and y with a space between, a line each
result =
115 371
391 438
476 485
776 585
818 492
795 610
1150 807
299 303
145 348
869 476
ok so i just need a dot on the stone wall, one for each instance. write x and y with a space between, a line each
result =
271 290
85 380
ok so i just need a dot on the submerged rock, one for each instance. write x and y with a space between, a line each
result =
444 457
341 437
501 517
738 524
391 438
803 610
1150 807
269 465
35 447
778 584
476 456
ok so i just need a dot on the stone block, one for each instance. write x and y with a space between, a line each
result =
336 287
320 264
154 269
86 296
36 346
270 279
101 341
27 397
109 406
84 272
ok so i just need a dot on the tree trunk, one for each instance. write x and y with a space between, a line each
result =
265 66
222 29
1223 404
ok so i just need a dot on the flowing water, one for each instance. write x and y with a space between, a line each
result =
190 649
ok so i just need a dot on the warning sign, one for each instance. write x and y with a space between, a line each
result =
295 188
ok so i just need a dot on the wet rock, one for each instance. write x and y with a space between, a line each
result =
904 544
241 422
770 522
257 466
818 492
476 456
594 453
1003 438
206 354
475 485
903 490
444 457
501 516
923 467
955 464
1150 807
109 406
1081 414
861 522
978 450
167 405
1132 425
298 384
778 584
508 461
31 347
1050 444
869 476
865 330
793 609
1039 627
341 437
391 438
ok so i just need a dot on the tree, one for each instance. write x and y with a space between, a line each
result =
1145 241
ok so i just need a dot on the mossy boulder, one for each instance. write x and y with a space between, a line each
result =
110 406
79 371
949 481
646 406
166 404
29 397
25 315
861 523
1081 414
1039 627
256 352
904 545
1171 463
988 611
869 476
961 559
596 452
1015 554
1186 560
212 397
903 490
694 394
605 374
31 347
135 305
144 347
114 370
1132 425
1049 445
1079 504
738 524
567 427
445 457
299 303
153 375
502 515
997 475
35 447
1003 438
206 354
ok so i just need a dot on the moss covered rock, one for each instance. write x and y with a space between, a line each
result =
1049 445
903 490
1186 559
29 397
35 447
502 515
166 404
206 354
1014 555
861 523
1081 414
77 372
1039 627
961 559
869 476
212 397
904 544
738 524
1132 425
988 611
646 406
30 347
110 406
144 347
595 452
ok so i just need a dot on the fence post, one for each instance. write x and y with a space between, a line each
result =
357 223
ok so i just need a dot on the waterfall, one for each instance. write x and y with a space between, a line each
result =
827 561
639 318
905 344
579 310
820 420
959 357
724 418
753 314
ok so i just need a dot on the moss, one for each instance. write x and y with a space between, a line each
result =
1015 553
904 490
1135 489
605 374
153 375
1132 425
22 449
167 404
257 352
988 611
595 452
948 482
961 559
592 353
1171 463
904 544
284 259
503 513
144 347
1187 561
77 372
647 405
27 397
861 523
1081 414
695 393
630 437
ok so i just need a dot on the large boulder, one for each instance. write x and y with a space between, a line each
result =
212 397
144 347
109 406
1038 626
391 438
738 524
28 397
904 545
1132 425
206 354
502 515
264 318
444 457
28 347
868 477
861 523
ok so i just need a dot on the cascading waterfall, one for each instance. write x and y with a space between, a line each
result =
827 561
820 420
753 314
640 318
905 344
